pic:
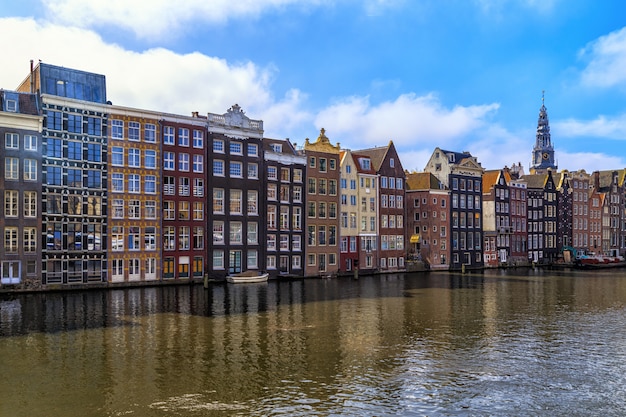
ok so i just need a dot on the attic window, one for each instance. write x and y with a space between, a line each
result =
278 148
391 162
10 105
451 157
365 163
437 167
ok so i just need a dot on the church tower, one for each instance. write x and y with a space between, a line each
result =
543 151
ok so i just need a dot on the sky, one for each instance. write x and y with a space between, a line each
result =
461 75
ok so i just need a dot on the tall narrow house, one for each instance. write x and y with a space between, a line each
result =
462 174
392 212
74 173
283 181
236 219
134 216
322 199
20 187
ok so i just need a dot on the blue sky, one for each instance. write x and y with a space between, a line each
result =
464 75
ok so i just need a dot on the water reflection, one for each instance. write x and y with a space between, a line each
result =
515 342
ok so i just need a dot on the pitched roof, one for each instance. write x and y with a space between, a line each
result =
490 178
535 180
376 155
422 181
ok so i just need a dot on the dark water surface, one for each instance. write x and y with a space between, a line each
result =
521 343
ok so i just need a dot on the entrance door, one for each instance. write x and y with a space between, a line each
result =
11 272
234 264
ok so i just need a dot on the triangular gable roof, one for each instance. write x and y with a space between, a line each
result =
376 155
489 179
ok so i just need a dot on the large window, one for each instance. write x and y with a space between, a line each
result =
149 132
10 239
198 139
11 168
10 203
218 201
117 156
183 136
168 161
117 129
198 163
168 135
11 141
183 162
236 232
30 170
134 158
133 131
235 202
30 204
75 123
117 182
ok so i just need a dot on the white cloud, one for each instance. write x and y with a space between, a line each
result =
157 79
607 60
159 18
411 121
600 127
589 161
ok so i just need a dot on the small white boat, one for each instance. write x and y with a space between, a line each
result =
247 277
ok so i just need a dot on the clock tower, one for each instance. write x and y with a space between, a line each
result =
543 151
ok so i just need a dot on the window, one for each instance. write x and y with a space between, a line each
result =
30 204
322 166
169 210
94 152
272 190
10 239
253 233
198 187
118 209
183 136
218 146
235 148
54 176
253 202
149 158
133 131
134 158
198 210
284 174
218 259
169 185
235 202
117 238
236 169
134 209
30 142
54 148
297 194
272 173
253 149
183 238
168 161
75 204
218 201
253 171
183 210
150 184
183 162
10 203
149 132
11 141
218 232
30 170
168 135
10 105
235 232
198 237
150 209
117 156
183 186
11 168
133 238
169 237
218 168
30 239
134 183
198 163
117 129
198 139
74 178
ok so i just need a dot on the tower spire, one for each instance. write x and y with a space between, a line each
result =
543 151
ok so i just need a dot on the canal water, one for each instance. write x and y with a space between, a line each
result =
520 342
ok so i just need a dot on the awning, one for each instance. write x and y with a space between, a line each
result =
415 239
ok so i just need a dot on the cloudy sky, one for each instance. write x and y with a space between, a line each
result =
464 75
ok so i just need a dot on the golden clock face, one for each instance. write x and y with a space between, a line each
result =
545 155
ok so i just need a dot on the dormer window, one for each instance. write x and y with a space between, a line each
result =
365 163
451 157
276 147
391 162
10 105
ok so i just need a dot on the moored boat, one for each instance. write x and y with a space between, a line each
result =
247 277
599 261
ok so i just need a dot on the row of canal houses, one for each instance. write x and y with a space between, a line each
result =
100 194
